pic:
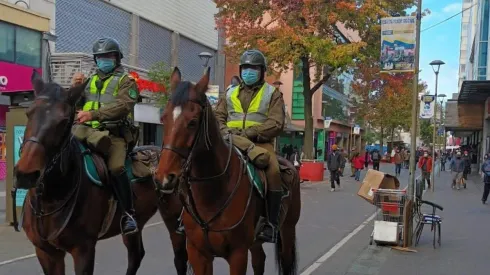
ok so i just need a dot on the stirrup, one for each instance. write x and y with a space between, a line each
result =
127 218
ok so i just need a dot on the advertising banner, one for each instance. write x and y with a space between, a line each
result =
398 44
14 77
18 140
427 105
213 95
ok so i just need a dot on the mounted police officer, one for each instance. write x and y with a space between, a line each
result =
254 109
108 101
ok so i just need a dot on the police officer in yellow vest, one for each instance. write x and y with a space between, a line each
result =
108 100
255 110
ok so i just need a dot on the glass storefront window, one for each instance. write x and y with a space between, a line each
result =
27 47
7 40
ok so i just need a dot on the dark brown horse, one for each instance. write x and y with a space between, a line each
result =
222 206
64 210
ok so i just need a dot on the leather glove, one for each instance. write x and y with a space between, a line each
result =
251 133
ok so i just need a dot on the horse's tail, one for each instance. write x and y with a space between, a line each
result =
286 254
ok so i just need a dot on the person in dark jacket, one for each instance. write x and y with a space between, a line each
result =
485 168
376 157
457 166
467 165
334 163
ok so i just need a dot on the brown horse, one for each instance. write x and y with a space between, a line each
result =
64 211
222 205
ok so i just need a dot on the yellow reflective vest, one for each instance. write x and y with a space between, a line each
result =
257 112
100 92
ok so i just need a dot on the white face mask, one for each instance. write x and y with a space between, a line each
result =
426 155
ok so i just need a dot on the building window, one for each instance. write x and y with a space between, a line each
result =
462 68
7 40
20 45
27 47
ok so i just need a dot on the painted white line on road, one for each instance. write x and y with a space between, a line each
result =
34 255
336 247
2 194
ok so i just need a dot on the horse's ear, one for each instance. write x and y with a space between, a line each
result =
202 85
75 92
37 82
175 78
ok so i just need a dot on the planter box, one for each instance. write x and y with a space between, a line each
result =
312 170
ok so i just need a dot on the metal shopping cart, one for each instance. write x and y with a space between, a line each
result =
388 223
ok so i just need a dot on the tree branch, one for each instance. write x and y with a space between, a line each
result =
321 82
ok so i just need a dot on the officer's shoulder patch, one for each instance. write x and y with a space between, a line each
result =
133 93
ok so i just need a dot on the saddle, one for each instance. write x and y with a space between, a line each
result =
258 177
140 164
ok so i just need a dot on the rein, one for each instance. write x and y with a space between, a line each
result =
186 177
56 159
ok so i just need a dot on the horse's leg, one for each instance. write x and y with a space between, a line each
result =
136 251
258 259
201 264
84 258
238 260
52 263
286 251
180 252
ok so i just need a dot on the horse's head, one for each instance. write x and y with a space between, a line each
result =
183 120
49 121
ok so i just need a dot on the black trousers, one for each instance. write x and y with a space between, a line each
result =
486 191
376 165
334 177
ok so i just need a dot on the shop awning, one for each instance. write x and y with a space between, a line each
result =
474 91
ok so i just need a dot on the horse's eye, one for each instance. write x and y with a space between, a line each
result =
192 124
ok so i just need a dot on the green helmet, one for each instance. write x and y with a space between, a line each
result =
253 57
107 45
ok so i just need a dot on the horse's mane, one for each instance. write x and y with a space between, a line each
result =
181 94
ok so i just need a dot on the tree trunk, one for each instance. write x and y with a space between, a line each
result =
309 127
392 138
381 141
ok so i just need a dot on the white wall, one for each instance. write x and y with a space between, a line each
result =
191 18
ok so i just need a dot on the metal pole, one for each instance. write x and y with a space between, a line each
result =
434 136
413 131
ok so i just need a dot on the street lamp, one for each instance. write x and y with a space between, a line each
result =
443 97
205 56
436 65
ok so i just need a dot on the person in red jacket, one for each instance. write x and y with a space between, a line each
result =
358 163
425 164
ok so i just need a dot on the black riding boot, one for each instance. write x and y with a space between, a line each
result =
180 224
124 195
270 229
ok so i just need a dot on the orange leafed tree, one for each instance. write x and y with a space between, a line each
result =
305 32
385 99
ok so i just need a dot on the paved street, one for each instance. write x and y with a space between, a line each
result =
331 227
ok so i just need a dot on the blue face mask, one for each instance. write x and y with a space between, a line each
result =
106 65
250 76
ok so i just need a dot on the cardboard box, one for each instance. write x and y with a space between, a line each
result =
376 179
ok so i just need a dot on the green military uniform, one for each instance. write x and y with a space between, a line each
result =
111 139
109 97
257 113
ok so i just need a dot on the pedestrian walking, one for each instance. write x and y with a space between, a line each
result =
425 164
398 163
352 169
457 167
342 164
334 162
376 157
359 165
485 168
467 165
367 159
443 161
407 159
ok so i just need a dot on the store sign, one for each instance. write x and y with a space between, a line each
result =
357 130
326 122
14 77
18 140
